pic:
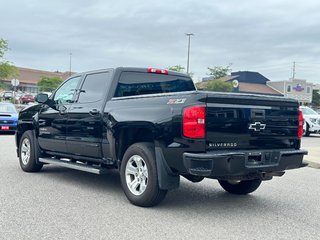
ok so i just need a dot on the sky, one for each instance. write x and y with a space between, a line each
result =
266 37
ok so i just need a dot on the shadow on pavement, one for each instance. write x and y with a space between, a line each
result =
189 197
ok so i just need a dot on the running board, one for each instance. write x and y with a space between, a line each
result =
73 165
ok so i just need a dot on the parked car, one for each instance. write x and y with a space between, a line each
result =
154 126
312 120
27 98
18 95
7 95
8 117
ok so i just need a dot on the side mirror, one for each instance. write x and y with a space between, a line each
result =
42 97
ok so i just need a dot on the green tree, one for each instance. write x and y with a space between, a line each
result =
316 97
180 69
177 68
7 70
215 85
2 86
3 47
219 71
47 84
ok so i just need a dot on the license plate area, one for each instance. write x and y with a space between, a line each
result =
255 158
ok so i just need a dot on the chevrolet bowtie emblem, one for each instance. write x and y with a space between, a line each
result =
257 126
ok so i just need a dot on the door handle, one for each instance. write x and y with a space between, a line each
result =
42 122
94 112
63 112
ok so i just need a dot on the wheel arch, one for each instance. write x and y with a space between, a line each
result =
129 135
21 129
141 134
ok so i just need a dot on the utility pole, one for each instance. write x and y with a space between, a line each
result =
70 63
293 70
189 35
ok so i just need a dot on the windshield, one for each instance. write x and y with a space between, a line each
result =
7 109
308 111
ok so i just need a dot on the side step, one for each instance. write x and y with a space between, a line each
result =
74 165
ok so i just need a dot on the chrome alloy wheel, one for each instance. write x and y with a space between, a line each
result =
136 173
25 151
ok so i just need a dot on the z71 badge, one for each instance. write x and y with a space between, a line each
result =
177 101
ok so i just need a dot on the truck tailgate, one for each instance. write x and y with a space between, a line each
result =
236 121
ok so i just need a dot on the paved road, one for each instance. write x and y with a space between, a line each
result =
312 144
59 203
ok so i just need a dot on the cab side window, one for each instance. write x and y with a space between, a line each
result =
95 87
66 92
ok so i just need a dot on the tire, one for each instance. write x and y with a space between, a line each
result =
240 187
28 153
139 178
307 131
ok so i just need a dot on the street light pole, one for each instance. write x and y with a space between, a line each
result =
70 60
189 35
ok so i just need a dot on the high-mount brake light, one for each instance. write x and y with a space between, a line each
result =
300 124
194 122
156 70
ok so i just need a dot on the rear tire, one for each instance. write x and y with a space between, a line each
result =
139 178
240 187
28 153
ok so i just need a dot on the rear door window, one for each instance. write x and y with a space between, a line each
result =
94 87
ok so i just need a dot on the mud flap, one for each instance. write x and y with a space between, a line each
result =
166 178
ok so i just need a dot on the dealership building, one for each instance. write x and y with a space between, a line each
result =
298 89
28 79
256 83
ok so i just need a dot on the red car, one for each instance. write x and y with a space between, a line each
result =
27 98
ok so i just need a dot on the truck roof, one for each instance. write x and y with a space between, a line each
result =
133 69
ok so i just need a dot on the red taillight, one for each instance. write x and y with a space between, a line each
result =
194 122
300 124
156 70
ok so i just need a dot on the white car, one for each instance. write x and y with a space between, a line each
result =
311 119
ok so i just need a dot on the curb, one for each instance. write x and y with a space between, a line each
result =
313 164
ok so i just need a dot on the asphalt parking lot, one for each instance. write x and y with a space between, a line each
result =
59 203
312 144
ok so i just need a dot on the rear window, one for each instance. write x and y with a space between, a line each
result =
134 83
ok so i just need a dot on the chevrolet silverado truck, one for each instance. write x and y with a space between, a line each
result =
154 126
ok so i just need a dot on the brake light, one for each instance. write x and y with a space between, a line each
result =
156 70
194 122
300 124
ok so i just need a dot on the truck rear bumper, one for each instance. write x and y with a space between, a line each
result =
226 164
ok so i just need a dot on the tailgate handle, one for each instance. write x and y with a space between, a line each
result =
258 113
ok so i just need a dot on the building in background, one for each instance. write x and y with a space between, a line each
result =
28 79
298 89
248 82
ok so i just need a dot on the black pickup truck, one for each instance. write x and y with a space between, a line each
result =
154 126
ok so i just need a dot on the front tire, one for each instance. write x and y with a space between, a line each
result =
139 178
240 187
28 153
